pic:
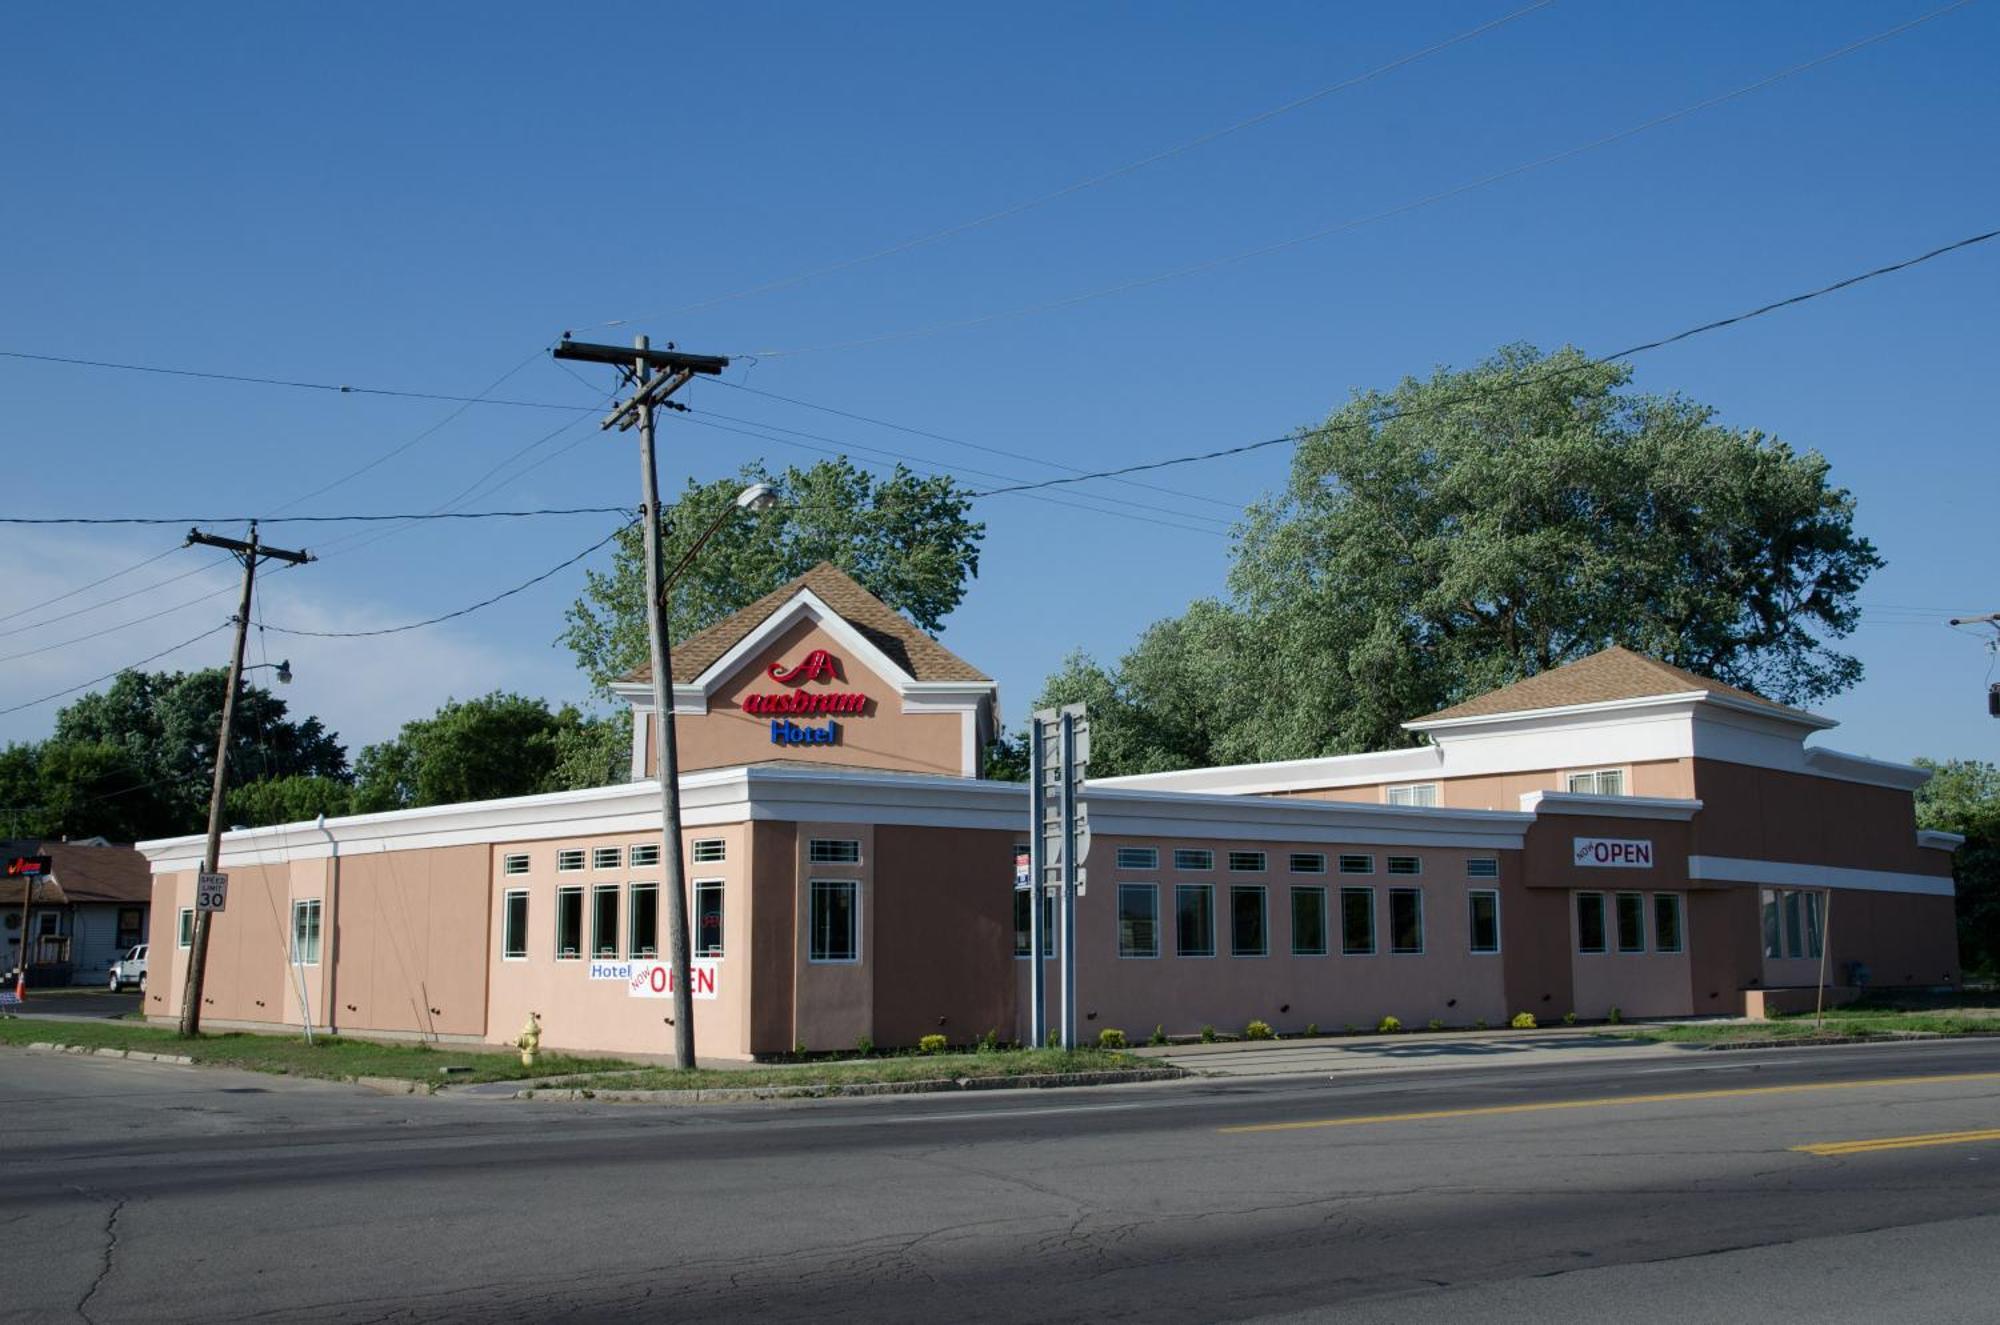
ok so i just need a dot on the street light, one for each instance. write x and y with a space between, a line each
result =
284 670
756 497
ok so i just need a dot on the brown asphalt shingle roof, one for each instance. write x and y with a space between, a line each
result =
1614 674
909 648
84 874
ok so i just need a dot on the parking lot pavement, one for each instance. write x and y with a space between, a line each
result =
1366 1053
87 1002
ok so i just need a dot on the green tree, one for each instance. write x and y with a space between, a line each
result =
1963 796
908 540
80 789
483 749
1473 528
287 800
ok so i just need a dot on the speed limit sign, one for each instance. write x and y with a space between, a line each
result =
211 892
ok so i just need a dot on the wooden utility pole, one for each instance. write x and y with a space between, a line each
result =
249 554
654 376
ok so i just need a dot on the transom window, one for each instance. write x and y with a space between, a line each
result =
1138 858
1414 793
833 851
606 858
1405 865
1193 858
517 863
1246 862
1357 864
1308 862
1599 782
1482 867
713 851
643 855
569 858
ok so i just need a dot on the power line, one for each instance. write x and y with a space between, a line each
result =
1092 181
463 611
135 593
1353 223
126 668
315 519
1528 380
81 588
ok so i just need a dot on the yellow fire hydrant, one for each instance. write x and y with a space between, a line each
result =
530 1039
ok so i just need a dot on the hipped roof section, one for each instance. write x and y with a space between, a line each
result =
1616 673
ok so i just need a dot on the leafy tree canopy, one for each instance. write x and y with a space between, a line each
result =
1473 528
1963 796
907 539
482 749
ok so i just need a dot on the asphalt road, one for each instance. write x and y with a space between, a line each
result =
1635 1190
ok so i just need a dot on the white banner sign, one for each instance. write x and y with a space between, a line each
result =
1610 853
655 979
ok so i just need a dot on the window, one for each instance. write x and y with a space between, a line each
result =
1414 793
569 923
1590 922
1194 920
643 854
305 931
1357 922
1357 864
1483 919
1812 901
1138 858
1792 923
1021 917
1308 862
187 927
1405 865
1795 942
708 918
1482 867
713 851
642 913
604 921
1406 921
1308 922
606 858
835 919
1246 921
517 863
514 925
1138 920
569 858
1599 782
1772 946
1631 922
834 851
1192 858
1247 862
1666 922
130 921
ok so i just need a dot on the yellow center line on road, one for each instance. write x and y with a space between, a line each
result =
1830 1148
1606 1101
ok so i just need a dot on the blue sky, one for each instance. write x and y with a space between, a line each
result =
419 197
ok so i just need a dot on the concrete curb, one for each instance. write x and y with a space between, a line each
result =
393 1085
136 1055
827 1090
1817 1041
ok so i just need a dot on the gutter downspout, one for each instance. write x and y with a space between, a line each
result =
331 924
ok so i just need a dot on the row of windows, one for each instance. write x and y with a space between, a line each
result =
704 851
1249 928
1199 859
305 931
641 935
1594 782
1628 919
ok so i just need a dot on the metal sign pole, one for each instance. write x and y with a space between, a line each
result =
1068 738
1038 1013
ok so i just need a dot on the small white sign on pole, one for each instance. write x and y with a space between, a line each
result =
1610 853
211 892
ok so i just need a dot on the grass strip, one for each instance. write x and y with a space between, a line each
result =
1835 1023
871 1071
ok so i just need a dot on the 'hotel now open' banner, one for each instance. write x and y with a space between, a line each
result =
1610 853
655 979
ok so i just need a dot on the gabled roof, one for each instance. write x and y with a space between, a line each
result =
922 657
1616 673
81 873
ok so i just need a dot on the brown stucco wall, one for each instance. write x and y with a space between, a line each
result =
833 1002
1534 929
944 934
774 893
1765 814
1902 939
1725 950
408 942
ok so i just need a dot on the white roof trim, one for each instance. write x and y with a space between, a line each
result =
1290 774
1789 874
1671 699
1609 807
1860 768
802 605
1934 839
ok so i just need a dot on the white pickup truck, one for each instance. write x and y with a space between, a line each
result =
129 971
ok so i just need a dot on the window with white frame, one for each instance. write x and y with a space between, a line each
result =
1406 921
606 858
1022 936
1482 867
187 927
643 855
1246 862
1193 858
1357 922
1590 930
1194 920
1405 865
713 851
514 863
1355 863
1413 793
569 859
1791 922
305 931
708 918
1138 920
1599 782
514 925
834 921
1482 906
604 920
642 919
1308 862
569 924
1667 922
1247 917
1308 922
1631 917
1138 858
833 851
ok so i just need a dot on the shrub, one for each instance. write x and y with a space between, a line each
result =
1259 1030
1437 1023
1111 1038
1208 1035
1617 1015
1388 1026
932 1044
864 1046
1523 1021
988 1043
1159 1035
1053 1040
1479 1025
1352 1029
1312 1028
1569 1019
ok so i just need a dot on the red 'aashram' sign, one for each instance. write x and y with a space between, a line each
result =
819 665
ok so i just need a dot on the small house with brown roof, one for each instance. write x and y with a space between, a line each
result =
92 905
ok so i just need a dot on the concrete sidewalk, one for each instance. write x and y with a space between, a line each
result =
1374 1053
